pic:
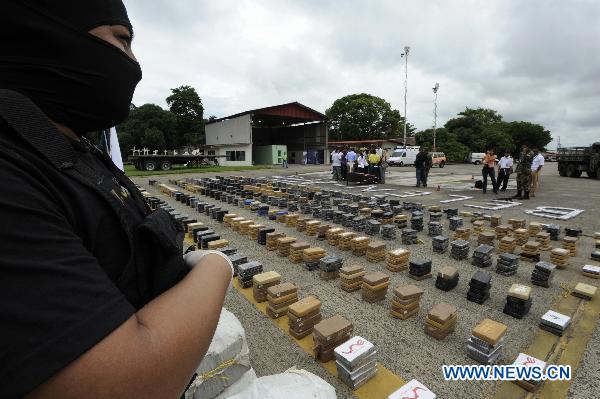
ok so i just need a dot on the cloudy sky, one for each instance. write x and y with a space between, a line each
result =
531 60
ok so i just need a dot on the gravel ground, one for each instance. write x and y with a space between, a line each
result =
586 383
404 348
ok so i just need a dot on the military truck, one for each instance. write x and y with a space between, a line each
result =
575 160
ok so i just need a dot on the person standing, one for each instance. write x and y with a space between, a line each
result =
489 169
374 163
505 167
536 170
343 163
336 163
350 160
362 163
422 165
284 163
524 173
379 150
383 164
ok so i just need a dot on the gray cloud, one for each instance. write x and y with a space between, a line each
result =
531 60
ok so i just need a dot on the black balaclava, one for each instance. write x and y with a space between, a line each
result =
77 79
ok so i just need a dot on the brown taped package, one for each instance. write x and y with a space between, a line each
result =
408 291
489 331
375 278
282 289
332 328
442 312
276 300
305 306
297 320
305 324
222 243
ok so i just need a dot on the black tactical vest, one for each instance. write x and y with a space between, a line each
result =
156 262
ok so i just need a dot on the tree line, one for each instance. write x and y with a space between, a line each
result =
364 116
155 128
480 129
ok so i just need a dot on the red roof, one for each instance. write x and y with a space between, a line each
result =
293 110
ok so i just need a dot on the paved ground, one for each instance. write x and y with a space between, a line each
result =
404 348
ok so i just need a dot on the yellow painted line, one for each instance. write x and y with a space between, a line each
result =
565 350
573 352
381 386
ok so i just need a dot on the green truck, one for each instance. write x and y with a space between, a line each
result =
575 160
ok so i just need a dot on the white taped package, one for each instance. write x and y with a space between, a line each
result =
225 362
293 384
238 386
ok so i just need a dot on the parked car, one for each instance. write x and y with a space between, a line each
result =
550 156
476 158
438 158
403 156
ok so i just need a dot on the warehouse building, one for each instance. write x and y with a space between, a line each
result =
269 135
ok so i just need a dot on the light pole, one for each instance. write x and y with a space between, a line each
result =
405 55
435 91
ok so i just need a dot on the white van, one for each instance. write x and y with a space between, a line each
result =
403 156
476 158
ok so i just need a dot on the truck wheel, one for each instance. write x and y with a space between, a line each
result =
572 170
592 175
562 169
578 173
477 163
165 165
150 165
442 164
401 164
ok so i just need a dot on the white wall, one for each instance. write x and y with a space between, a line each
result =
223 151
231 131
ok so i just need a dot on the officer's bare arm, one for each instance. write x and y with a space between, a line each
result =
154 353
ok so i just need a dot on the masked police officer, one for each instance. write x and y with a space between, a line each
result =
524 173
96 299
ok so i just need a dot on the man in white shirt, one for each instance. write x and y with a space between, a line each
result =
336 163
536 171
362 163
504 170
350 160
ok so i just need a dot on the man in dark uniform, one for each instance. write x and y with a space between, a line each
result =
524 173
96 299
423 163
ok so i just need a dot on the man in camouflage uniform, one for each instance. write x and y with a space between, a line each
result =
524 173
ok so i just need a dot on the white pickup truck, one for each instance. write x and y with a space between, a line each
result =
476 158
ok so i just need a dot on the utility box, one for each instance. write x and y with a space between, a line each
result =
270 154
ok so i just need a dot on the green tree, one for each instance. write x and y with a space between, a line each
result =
140 120
364 116
532 134
186 104
153 139
445 142
468 127
495 136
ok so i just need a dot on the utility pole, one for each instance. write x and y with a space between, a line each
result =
405 55
435 91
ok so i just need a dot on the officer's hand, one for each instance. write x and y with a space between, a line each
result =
193 259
